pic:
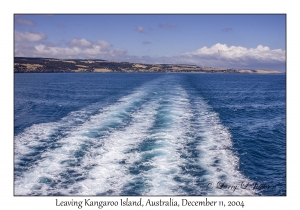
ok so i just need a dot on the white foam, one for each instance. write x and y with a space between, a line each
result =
170 140
215 149
54 162
38 134
109 174
114 136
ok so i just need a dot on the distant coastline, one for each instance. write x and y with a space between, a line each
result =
52 65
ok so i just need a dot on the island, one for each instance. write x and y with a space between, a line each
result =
52 65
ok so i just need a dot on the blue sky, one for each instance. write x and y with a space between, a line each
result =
235 41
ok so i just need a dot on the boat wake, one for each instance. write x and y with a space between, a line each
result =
162 139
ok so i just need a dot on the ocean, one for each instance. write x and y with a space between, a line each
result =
136 134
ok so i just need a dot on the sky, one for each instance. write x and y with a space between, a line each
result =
229 41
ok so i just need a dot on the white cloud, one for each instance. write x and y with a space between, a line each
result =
76 48
55 52
103 44
238 53
80 43
140 29
24 22
221 55
119 53
29 36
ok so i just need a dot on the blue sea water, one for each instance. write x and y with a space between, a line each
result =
149 134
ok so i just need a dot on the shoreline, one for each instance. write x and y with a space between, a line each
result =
50 65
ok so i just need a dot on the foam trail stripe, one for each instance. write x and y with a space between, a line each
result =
46 172
112 160
170 139
216 156
42 134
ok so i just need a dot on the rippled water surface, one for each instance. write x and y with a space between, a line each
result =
149 134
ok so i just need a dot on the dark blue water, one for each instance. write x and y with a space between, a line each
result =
150 134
